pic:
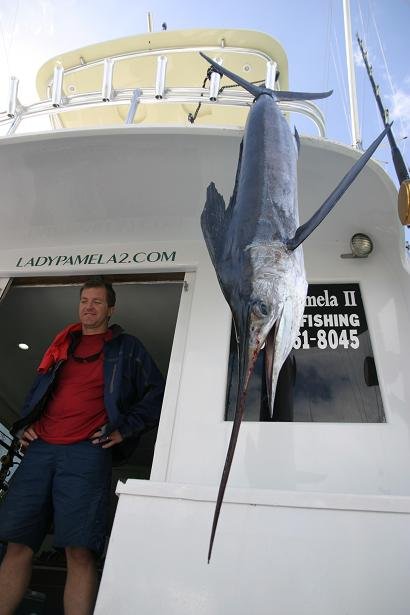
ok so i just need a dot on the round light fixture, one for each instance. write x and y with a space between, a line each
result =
361 245
23 346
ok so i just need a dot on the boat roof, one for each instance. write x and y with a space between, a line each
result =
135 58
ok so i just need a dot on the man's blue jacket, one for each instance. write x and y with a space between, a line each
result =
133 390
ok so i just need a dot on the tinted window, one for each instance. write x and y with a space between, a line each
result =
330 375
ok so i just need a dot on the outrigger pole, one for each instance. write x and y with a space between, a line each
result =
351 79
400 166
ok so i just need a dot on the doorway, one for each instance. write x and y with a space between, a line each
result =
31 314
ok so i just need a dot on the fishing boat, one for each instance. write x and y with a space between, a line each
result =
316 516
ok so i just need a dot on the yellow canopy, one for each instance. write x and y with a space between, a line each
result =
243 51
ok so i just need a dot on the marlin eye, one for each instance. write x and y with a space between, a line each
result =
260 308
263 309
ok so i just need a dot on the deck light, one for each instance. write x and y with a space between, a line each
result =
106 91
12 103
23 346
160 80
57 85
214 82
361 246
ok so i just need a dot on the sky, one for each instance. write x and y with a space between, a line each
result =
32 31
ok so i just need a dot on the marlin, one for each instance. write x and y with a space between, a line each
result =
255 244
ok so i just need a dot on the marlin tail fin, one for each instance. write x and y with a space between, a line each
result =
257 90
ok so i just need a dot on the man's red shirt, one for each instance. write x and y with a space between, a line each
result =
75 409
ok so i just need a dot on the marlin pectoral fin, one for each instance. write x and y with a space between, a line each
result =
306 229
213 223
269 358
235 190
279 342
297 140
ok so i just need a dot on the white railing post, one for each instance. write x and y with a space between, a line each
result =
160 79
13 100
270 78
56 93
214 82
106 91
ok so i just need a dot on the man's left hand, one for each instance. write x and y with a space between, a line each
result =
106 441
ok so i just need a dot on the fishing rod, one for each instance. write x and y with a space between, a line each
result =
400 166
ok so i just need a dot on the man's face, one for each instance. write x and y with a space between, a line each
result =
94 311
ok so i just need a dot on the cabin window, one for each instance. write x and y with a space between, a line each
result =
330 376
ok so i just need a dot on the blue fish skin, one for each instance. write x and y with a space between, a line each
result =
255 245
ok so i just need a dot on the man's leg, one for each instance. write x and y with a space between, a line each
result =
15 574
80 496
81 585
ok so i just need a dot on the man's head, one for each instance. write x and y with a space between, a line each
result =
97 301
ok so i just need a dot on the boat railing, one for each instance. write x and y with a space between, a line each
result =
59 102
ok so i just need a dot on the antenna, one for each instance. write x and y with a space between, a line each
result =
354 114
149 21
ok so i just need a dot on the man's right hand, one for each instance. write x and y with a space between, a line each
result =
28 436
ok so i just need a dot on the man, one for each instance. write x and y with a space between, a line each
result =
97 389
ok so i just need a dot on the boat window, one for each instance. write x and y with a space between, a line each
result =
330 376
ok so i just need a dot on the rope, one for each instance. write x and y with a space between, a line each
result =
341 81
326 60
7 48
6 55
13 28
364 90
192 116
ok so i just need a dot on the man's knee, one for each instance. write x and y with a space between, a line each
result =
79 556
18 553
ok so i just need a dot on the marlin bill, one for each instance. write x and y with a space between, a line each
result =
255 244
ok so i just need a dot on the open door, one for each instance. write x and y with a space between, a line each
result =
32 313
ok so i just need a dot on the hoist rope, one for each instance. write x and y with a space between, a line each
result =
326 62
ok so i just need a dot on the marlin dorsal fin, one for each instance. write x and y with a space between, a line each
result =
306 229
213 223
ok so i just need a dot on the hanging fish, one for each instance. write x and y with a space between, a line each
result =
255 244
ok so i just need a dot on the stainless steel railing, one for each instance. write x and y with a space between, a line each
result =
57 103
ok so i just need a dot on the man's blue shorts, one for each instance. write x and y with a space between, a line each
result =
67 484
